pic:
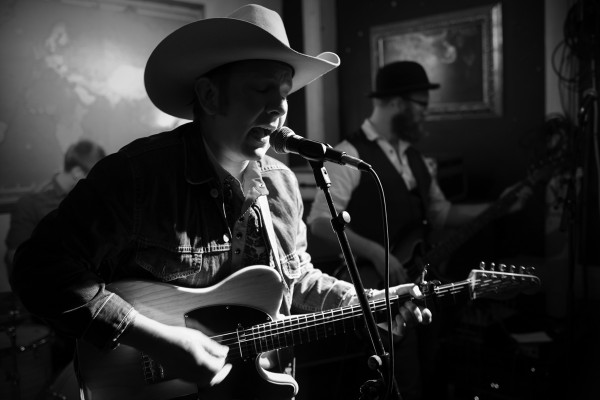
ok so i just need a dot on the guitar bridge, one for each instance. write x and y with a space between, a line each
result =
153 371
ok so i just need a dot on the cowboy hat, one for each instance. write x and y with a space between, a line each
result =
252 32
401 77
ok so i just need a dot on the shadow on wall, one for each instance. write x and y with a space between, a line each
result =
4 225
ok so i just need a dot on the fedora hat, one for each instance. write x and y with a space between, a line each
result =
252 32
401 77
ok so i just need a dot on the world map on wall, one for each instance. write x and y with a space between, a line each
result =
71 73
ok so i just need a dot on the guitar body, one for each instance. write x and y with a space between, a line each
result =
241 312
415 255
249 297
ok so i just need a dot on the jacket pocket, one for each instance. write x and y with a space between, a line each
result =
291 266
168 265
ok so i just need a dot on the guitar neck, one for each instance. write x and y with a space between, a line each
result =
306 328
232 312
443 250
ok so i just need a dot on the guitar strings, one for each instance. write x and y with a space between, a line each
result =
276 334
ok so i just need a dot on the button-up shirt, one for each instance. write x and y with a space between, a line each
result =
344 180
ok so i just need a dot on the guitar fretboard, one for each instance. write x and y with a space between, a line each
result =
247 343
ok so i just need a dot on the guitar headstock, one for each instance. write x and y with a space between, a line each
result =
500 281
546 167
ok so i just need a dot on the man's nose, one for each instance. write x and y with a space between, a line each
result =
277 105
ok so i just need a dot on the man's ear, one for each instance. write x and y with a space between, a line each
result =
207 95
399 103
77 173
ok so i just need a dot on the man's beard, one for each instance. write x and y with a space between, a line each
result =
405 128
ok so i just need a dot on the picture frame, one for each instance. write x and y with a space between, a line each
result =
462 51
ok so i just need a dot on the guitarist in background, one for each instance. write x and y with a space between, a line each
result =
415 202
190 206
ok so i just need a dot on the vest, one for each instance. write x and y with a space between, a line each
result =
406 210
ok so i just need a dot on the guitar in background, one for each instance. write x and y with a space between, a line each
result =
242 313
414 253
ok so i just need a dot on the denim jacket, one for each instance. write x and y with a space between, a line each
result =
154 210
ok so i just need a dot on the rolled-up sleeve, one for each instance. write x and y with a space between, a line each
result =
439 206
314 290
59 273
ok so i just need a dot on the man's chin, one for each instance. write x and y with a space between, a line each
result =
256 154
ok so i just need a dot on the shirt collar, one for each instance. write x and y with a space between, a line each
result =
198 168
372 135
201 166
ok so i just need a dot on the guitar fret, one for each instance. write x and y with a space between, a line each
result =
239 342
305 331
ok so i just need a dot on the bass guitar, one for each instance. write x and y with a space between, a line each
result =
242 313
413 251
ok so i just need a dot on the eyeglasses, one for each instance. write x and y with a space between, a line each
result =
422 103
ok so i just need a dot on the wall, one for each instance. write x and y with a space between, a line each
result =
71 71
490 146
495 151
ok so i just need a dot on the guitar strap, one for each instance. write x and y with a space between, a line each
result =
266 213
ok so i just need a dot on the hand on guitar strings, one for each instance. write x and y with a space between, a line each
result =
409 314
186 353
521 194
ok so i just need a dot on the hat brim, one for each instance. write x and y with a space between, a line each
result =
196 48
406 89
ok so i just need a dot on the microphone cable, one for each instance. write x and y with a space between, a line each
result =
386 281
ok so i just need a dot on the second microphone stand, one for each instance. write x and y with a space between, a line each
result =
381 360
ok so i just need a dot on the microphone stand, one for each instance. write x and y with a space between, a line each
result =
575 211
381 360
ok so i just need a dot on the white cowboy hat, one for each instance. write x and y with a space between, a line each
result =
252 32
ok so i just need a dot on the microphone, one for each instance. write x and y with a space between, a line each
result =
284 140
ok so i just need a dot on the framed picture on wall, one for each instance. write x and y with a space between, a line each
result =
462 51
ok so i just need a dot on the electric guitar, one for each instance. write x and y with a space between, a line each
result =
415 254
415 257
242 313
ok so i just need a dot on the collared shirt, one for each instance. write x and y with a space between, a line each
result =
345 180
248 243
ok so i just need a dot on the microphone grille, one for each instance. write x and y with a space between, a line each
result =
278 139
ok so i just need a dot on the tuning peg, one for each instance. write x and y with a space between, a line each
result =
502 267
522 270
492 266
482 265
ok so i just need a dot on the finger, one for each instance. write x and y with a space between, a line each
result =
214 348
222 374
403 289
427 315
399 326
416 291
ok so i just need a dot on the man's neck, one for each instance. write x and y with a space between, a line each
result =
234 168
383 127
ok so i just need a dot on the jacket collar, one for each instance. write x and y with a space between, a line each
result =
198 168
